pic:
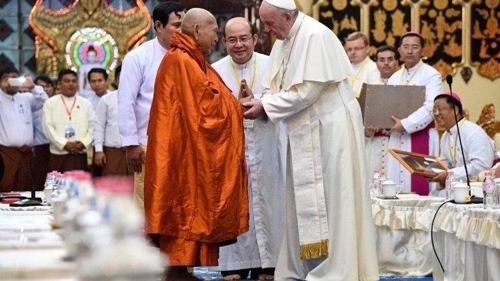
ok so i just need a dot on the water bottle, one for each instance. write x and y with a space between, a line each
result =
489 191
375 184
449 183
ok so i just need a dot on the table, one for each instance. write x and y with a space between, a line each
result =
29 248
467 240
403 237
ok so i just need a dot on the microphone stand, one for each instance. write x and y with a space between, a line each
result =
27 202
449 81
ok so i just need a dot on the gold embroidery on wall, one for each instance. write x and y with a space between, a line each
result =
485 45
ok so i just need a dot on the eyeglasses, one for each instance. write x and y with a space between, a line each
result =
355 49
242 40
412 47
439 110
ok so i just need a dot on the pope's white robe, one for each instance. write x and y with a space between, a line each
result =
429 77
265 149
316 98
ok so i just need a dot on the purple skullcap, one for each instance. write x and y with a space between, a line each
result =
453 95
414 33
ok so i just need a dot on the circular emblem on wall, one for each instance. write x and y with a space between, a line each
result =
339 5
91 46
441 4
390 5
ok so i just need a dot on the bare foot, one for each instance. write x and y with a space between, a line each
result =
232 277
266 277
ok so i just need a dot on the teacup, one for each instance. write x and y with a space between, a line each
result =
460 192
389 189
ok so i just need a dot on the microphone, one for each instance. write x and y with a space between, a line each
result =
449 81
32 201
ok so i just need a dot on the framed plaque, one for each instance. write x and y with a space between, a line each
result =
419 164
380 102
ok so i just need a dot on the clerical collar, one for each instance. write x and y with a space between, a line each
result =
454 128
413 68
295 26
360 64
241 66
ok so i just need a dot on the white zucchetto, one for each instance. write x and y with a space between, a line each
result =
284 4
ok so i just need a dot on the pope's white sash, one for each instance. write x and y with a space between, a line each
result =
312 220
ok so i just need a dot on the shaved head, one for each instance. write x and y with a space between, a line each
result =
201 26
195 16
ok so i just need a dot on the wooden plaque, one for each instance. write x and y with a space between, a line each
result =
379 102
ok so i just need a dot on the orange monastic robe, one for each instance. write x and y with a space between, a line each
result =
195 189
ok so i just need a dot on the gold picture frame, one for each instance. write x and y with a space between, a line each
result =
419 164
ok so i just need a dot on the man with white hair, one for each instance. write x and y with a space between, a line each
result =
330 233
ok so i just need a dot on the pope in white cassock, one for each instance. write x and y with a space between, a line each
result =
265 149
330 233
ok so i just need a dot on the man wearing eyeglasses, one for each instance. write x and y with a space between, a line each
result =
478 147
416 132
365 70
257 250
377 139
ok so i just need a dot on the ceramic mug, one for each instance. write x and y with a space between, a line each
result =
460 192
389 189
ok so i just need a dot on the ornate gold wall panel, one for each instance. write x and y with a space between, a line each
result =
485 38
457 32
63 36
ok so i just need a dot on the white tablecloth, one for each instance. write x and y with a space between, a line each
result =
29 248
403 237
467 241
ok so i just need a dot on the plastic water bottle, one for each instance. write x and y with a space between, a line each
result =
449 183
489 191
375 184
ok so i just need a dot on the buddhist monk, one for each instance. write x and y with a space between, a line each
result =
195 188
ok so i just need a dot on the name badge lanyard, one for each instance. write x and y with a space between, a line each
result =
69 111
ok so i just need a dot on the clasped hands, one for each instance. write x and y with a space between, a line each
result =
252 107
74 147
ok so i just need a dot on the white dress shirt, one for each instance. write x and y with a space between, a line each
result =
56 117
479 150
94 100
136 89
106 131
16 116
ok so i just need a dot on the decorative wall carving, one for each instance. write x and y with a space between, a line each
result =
485 38
449 27
63 38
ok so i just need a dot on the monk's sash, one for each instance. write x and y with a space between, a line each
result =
312 220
